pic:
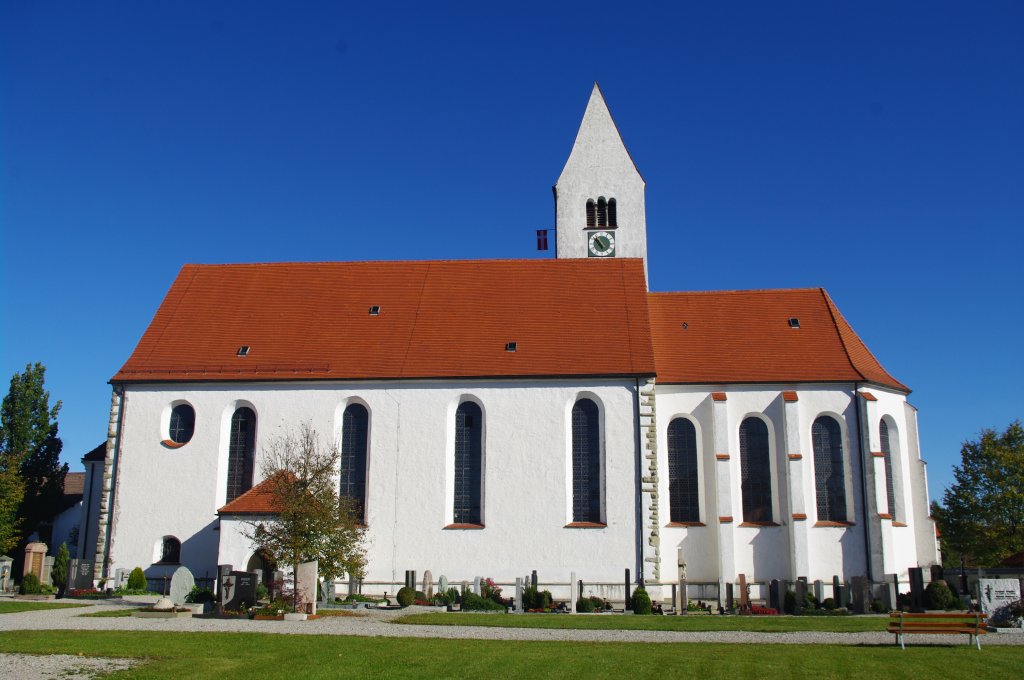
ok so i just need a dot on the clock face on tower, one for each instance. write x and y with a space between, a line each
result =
601 244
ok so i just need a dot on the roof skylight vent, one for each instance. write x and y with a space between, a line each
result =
374 310
685 325
794 322
510 347
243 351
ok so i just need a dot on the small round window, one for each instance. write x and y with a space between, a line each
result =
183 424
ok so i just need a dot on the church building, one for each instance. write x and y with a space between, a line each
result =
500 416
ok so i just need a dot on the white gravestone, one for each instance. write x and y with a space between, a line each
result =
305 587
182 583
442 584
996 595
428 584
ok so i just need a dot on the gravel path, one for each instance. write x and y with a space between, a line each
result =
33 667
377 624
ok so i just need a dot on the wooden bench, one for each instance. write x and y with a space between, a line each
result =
954 623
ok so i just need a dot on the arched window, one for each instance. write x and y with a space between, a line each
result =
612 219
829 478
890 494
182 425
170 550
469 426
682 471
355 423
602 212
586 462
591 213
241 452
756 478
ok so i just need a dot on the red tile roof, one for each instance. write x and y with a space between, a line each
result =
437 319
259 500
97 454
745 337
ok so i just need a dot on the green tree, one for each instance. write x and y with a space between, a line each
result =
31 476
982 514
312 521
59 572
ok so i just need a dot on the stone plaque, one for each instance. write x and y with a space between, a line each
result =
239 589
996 595
305 587
182 583
428 584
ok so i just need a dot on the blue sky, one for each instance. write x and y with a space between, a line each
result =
875 149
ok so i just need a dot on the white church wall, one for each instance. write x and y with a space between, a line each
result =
177 491
763 552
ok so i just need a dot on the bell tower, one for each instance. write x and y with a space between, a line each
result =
599 197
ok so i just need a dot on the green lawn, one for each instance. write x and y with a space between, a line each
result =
113 613
15 606
757 624
234 655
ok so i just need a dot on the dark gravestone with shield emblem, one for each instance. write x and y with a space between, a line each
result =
238 590
82 576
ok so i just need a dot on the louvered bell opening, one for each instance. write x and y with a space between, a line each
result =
602 212
612 219
591 214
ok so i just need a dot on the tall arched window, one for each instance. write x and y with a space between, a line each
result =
591 213
602 212
355 423
612 219
469 426
755 473
682 471
586 462
890 494
241 452
829 478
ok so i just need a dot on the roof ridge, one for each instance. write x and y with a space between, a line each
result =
578 261
735 291
832 311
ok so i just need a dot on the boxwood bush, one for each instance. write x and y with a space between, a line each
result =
641 601
406 596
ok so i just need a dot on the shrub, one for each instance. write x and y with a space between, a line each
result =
641 601
489 590
30 585
599 604
810 601
938 596
136 580
59 573
471 602
828 603
406 596
197 595
585 605
789 602
358 597
878 607
261 591
272 608
536 599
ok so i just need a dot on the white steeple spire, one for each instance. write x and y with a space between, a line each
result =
599 197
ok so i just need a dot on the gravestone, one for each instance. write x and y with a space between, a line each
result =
916 589
519 596
775 595
861 595
892 591
476 585
35 556
120 578
182 583
47 578
572 592
533 579
629 604
744 594
238 590
837 591
729 601
428 584
801 594
83 576
277 585
937 573
442 584
223 572
997 594
819 591
305 587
